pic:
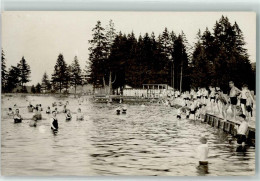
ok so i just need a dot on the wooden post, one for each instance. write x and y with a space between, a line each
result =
172 75
181 79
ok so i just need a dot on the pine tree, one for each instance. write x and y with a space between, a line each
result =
33 90
3 71
24 72
231 55
12 78
60 75
76 77
38 88
180 57
200 65
86 73
98 55
46 85
110 36
166 44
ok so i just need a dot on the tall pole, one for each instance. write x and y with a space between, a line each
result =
172 74
181 69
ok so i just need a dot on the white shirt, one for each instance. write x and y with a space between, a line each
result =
242 129
202 152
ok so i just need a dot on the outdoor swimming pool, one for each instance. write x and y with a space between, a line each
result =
146 141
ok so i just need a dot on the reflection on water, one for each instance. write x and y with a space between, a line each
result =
146 141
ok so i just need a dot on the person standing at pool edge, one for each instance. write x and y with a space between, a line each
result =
54 122
234 92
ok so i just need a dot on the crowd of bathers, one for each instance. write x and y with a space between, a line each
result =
196 102
53 110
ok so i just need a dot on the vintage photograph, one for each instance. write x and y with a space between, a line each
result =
92 93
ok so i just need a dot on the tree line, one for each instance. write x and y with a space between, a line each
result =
16 75
218 56
117 59
63 77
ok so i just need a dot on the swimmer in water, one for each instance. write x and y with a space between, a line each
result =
10 112
54 104
48 111
124 109
54 122
30 108
118 110
56 109
80 116
40 107
64 109
38 115
68 115
17 117
179 113
241 131
203 151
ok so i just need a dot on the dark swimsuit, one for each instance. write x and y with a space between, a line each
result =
233 100
212 98
17 120
55 124
243 101
68 117
241 138
249 109
192 112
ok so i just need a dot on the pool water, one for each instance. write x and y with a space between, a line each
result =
148 140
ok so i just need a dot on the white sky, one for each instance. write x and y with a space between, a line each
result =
41 36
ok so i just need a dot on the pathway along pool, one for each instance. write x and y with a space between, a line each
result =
146 141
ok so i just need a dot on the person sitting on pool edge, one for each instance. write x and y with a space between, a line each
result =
203 151
54 122
241 131
68 115
17 117
80 116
